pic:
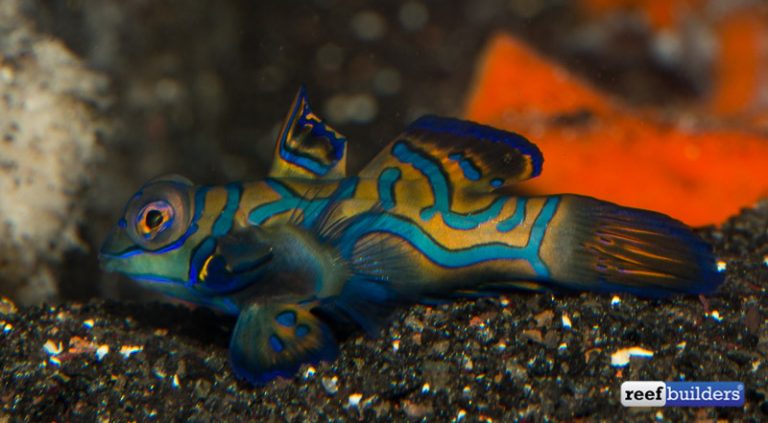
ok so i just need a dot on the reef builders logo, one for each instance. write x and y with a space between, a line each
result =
682 394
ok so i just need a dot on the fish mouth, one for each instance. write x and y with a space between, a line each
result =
116 252
153 280
136 271
117 245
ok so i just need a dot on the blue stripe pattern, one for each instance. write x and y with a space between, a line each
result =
289 200
470 170
516 219
441 192
439 254
387 181
224 222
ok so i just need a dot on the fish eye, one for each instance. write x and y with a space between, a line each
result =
160 213
154 218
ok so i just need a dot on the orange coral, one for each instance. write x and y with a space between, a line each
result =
743 59
595 146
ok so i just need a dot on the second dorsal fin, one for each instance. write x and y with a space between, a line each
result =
463 155
307 147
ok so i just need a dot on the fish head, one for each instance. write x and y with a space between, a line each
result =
153 239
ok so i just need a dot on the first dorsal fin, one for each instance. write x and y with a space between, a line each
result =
308 147
470 155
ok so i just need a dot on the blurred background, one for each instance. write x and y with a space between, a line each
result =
131 89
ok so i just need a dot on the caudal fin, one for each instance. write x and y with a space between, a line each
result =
601 246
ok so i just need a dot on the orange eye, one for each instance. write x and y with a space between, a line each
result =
154 218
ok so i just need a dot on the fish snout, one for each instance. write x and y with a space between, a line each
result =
117 245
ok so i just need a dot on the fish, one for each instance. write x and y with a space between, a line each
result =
310 251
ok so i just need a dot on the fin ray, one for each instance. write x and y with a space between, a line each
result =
382 276
606 247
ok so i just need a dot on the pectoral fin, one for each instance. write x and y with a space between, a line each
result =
274 340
